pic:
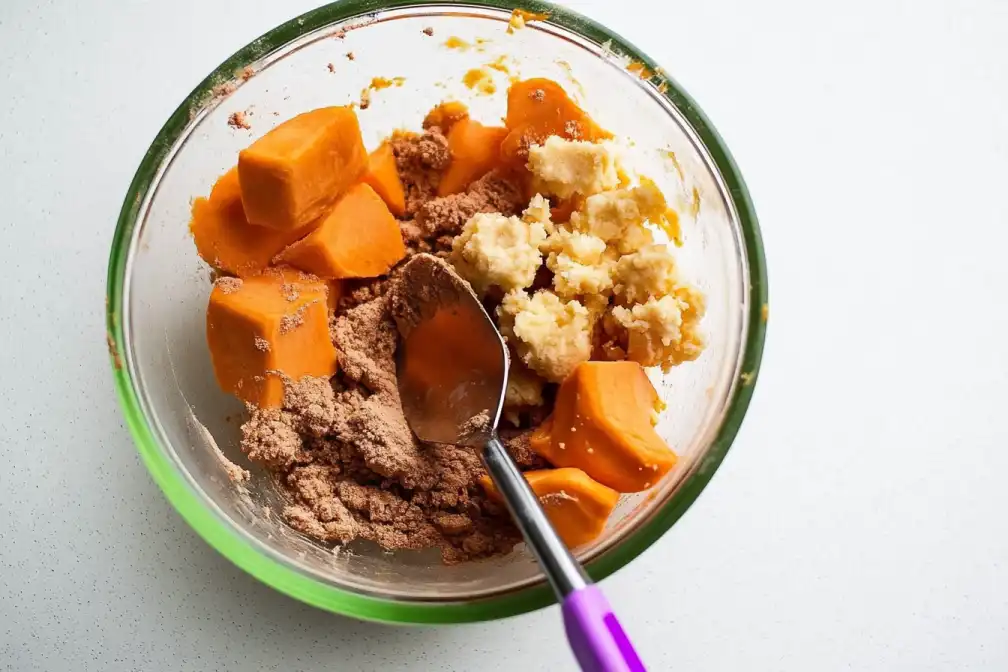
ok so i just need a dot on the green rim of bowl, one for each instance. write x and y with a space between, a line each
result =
287 580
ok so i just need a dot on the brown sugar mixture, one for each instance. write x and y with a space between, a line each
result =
433 222
341 448
344 452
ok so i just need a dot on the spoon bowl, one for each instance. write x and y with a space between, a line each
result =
452 365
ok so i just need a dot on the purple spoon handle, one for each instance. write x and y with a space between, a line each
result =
595 635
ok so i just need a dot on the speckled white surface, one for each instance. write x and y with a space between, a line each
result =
858 523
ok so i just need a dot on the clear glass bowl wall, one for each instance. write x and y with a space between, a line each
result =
159 288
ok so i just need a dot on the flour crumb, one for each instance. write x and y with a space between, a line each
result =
573 129
289 323
289 291
238 120
229 285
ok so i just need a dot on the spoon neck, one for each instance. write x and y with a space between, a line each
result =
562 570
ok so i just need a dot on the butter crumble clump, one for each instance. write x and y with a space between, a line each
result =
538 212
648 272
661 331
606 267
562 167
579 263
619 216
494 250
550 335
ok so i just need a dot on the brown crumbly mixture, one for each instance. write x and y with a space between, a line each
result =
444 118
352 467
289 323
476 426
428 31
517 442
239 120
331 67
447 215
420 159
356 292
439 220
228 285
350 55
289 291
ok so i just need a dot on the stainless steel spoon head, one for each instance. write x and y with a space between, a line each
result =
452 365
452 369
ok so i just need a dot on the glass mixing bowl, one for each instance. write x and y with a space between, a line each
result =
158 288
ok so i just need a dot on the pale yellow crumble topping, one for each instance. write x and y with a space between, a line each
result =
618 216
550 335
562 167
579 263
494 250
605 266
538 212
661 331
648 272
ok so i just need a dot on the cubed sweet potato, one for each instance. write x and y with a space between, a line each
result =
225 239
293 174
601 423
577 506
359 238
265 327
538 108
475 151
383 177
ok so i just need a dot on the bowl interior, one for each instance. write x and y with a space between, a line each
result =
165 285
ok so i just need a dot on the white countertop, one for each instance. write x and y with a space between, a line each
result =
858 523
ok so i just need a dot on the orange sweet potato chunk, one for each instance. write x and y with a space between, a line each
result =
383 177
359 238
538 108
577 506
224 238
293 174
445 115
267 325
475 151
601 423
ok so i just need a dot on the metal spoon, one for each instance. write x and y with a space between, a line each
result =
452 372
